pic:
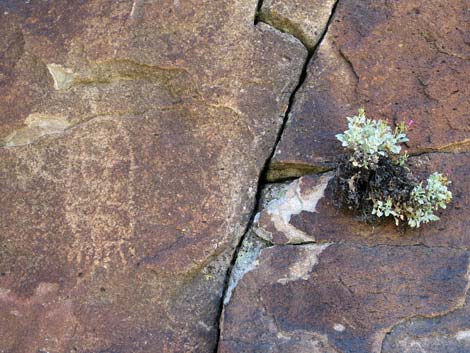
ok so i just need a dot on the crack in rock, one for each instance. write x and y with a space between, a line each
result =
305 20
250 264
246 261
280 171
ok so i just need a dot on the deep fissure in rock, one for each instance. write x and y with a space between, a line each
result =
303 75
258 10
262 180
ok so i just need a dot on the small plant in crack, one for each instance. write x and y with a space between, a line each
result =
374 179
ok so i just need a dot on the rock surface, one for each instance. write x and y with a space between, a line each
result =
273 224
132 138
133 135
340 297
357 283
304 19
326 223
450 334
400 60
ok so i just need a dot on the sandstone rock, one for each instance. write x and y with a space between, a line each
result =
304 19
339 297
133 134
399 60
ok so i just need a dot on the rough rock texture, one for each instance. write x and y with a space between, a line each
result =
304 19
359 282
273 223
340 297
400 60
132 135
449 333
326 223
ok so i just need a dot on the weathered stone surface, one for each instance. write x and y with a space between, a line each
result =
400 60
304 19
246 260
449 333
330 224
302 195
360 282
133 134
339 297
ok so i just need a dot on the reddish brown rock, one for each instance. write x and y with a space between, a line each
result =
360 282
399 60
327 223
339 297
133 134
304 19
447 333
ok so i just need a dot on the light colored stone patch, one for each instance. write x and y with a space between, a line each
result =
37 125
247 260
304 19
292 203
306 260
463 335
339 327
301 341
63 77
205 326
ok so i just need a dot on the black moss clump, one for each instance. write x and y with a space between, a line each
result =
356 188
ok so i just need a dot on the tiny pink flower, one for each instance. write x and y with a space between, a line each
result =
410 122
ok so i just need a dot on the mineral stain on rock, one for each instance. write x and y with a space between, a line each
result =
273 223
37 126
307 259
63 77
